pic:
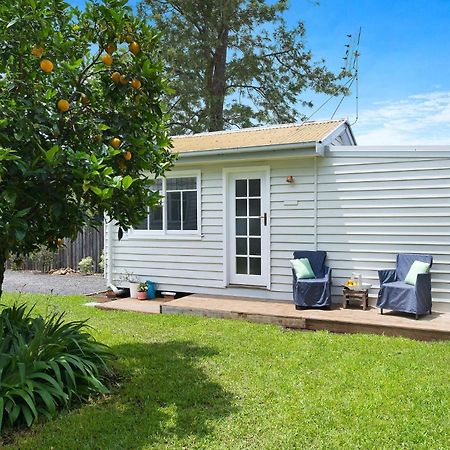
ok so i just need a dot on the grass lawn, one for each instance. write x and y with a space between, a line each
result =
213 384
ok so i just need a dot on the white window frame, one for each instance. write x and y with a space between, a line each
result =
174 234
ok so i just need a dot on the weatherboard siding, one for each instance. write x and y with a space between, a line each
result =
196 265
184 262
369 209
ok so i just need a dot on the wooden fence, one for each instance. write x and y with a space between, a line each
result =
88 243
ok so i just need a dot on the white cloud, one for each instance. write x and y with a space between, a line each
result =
422 119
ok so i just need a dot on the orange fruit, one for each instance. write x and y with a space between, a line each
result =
115 143
63 105
37 51
110 48
123 79
84 99
122 165
116 77
134 48
136 84
107 59
46 65
127 155
129 38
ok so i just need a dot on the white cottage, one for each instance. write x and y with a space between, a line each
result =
238 203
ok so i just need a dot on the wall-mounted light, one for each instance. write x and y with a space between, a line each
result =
289 179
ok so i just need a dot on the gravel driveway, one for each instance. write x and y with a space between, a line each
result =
42 283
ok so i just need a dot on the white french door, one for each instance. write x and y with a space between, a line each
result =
248 228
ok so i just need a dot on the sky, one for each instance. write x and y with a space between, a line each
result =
404 65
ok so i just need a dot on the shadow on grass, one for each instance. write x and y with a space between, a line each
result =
167 392
166 396
166 399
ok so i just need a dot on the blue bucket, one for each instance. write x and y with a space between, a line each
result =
151 290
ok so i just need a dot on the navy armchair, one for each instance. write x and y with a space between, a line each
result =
313 292
396 295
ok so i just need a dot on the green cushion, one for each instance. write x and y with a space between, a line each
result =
416 268
302 268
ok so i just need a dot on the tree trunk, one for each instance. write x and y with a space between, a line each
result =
217 85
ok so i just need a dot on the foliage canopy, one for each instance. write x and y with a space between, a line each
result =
237 63
81 120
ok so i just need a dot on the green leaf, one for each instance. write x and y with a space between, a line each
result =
20 234
96 190
51 154
10 196
127 182
23 212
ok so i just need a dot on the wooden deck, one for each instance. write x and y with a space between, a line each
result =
131 304
352 320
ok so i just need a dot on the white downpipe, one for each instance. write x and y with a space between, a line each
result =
316 206
109 265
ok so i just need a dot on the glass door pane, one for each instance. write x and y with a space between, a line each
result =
248 226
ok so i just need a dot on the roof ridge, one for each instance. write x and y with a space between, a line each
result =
262 128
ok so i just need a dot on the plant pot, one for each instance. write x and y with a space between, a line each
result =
142 295
134 289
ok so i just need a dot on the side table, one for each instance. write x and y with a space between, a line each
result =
361 295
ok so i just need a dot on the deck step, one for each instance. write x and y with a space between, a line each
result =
430 327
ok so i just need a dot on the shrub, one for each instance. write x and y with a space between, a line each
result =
45 364
86 265
16 262
44 258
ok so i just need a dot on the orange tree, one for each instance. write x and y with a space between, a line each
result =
81 120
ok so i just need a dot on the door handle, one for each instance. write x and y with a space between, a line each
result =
264 216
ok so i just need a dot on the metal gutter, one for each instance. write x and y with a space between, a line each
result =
244 150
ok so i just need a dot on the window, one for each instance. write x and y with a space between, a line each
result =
154 221
179 209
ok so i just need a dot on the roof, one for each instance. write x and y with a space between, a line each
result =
296 133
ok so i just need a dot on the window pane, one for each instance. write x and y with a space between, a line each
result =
241 188
254 188
255 246
241 207
174 210
241 265
241 246
255 266
156 218
254 206
189 210
241 227
179 184
255 227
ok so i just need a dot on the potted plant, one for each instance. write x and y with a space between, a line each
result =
142 291
133 283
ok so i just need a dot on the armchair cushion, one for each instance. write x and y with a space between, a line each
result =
416 268
302 268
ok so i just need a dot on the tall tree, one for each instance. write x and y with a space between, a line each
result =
80 120
236 63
